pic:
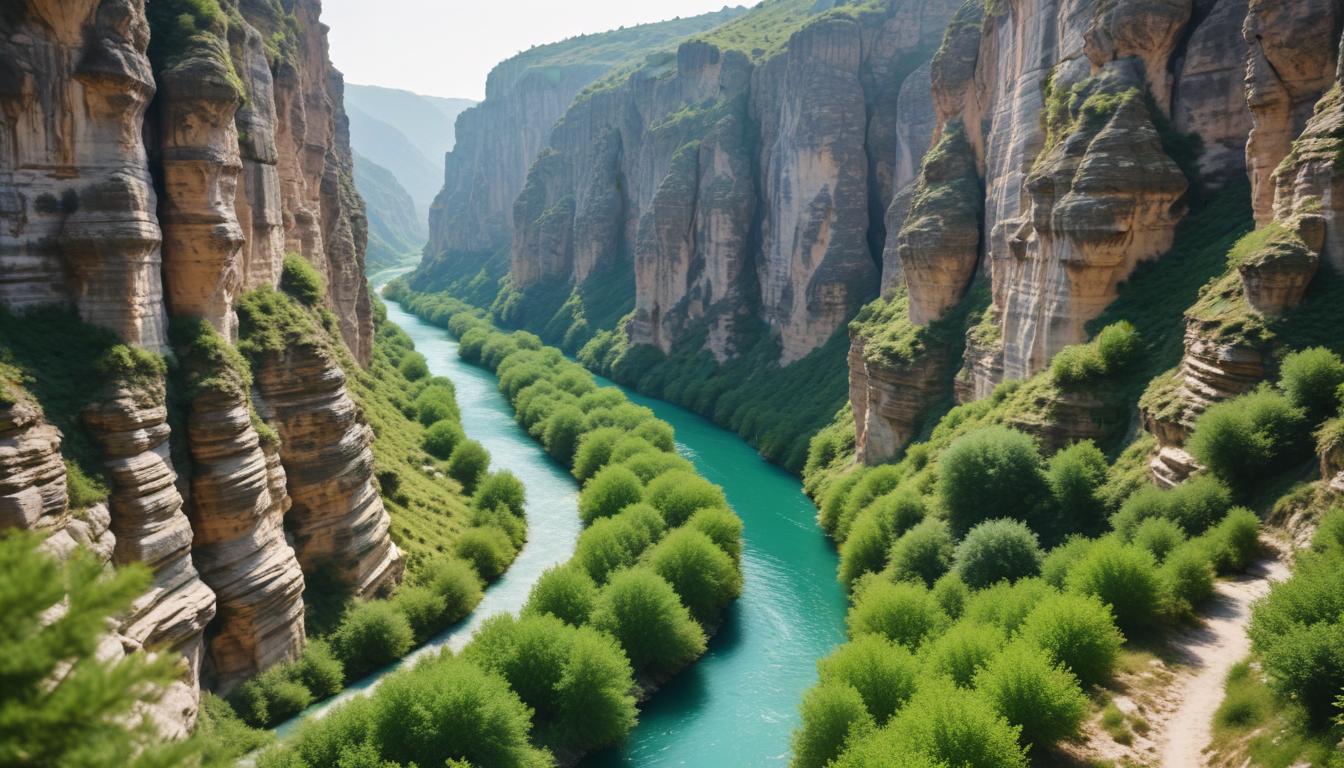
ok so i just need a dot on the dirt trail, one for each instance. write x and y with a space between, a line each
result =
1210 650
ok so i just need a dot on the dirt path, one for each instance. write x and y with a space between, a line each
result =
1210 650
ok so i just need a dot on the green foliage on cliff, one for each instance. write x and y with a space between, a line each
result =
87 713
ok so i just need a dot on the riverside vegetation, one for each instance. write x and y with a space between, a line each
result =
652 572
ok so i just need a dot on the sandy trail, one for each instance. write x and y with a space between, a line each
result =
1211 650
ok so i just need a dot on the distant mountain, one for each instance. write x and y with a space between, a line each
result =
396 231
426 121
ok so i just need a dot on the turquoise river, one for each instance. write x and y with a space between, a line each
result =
736 707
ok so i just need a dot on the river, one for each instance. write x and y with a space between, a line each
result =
736 706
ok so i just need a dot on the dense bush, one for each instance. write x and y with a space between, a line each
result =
318 669
1243 439
923 553
885 674
722 527
423 610
992 473
1158 535
951 593
903 613
1312 378
566 592
1059 561
997 550
270 698
1195 505
650 465
609 491
454 580
833 500
371 635
301 280
501 489
678 495
616 542
704 576
865 549
873 484
641 610
576 680
435 403
487 548
442 437
1186 577
1031 692
1298 633
1007 605
564 427
1075 475
962 651
955 727
414 367
1078 632
1233 543
1125 578
468 462
833 714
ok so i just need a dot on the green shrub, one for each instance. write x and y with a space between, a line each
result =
1233 543
468 462
435 404
952 594
1195 505
956 727
898 511
703 575
371 635
833 500
1125 578
456 581
1078 632
318 669
1031 692
678 495
722 527
658 433
903 613
1117 344
82 489
1007 605
876 482
833 714
923 552
1312 378
1329 535
487 548
1242 440
301 280
1187 580
962 651
865 549
884 674
1059 561
423 610
501 489
609 491
1075 476
1159 536
630 446
442 437
612 543
564 427
566 592
414 367
997 550
594 451
650 465
1298 632
271 698
642 612
576 680
1076 365
992 473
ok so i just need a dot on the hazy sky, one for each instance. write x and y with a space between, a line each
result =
446 47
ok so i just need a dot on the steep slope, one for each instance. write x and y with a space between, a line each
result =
159 161
396 232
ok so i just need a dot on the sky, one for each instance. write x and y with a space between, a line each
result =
446 47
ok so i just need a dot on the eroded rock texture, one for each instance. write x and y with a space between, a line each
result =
77 205
338 522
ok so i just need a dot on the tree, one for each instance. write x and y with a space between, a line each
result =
992 473
467 463
641 610
703 575
997 550
833 714
86 714
609 491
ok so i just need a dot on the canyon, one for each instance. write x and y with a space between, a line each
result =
155 165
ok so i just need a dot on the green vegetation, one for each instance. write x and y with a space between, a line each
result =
88 713
1244 439
997 550
300 279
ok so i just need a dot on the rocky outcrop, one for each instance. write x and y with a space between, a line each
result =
1209 96
1291 63
151 527
238 505
338 523
890 400
77 205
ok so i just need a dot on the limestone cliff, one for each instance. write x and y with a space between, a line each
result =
159 160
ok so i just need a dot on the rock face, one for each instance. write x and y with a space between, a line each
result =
240 127
889 400
737 184
77 205
337 520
